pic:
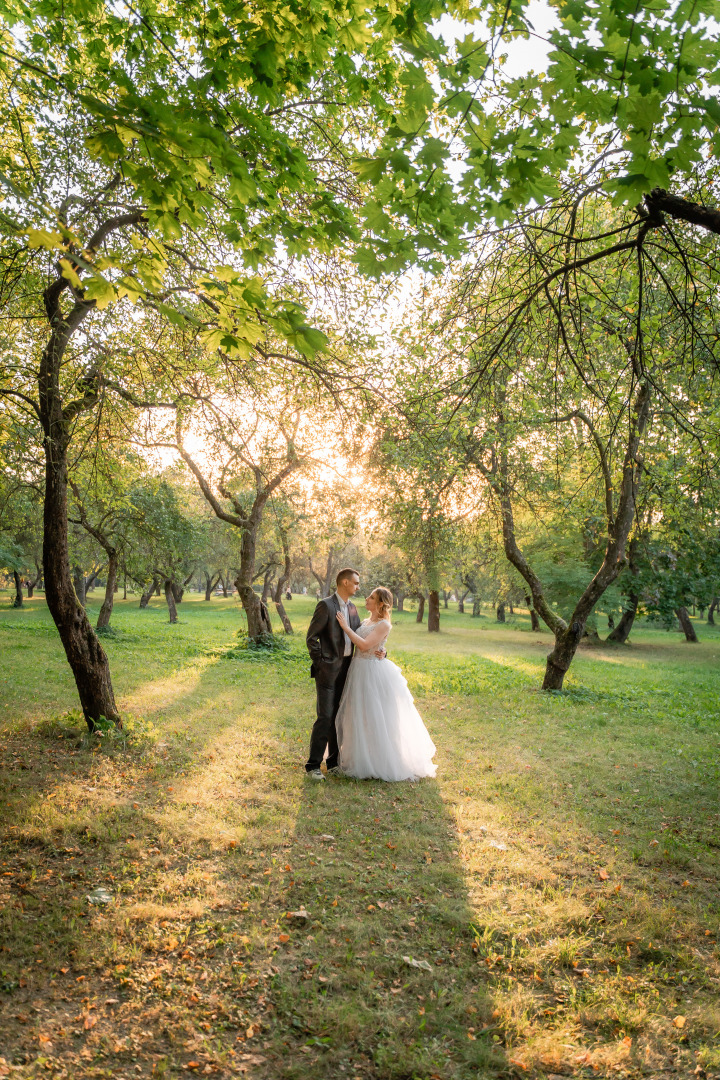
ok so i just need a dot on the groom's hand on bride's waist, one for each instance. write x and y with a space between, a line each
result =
381 653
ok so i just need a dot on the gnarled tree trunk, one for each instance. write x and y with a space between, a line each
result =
107 605
621 632
18 601
32 583
434 612
170 597
421 608
476 608
84 652
151 590
534 621
79 585
711 611
106 610
282 582
686 625
210 584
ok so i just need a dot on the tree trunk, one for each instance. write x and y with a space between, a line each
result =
157 587
224 582
267 585
421 608
686 625
621 632
512 609
107 604
476 607
84 652
446 597
611 621
32 583
210 584
434 612
559 660
170 597
79 584
18 601
124 586
461 601
534 621
258 616
500 613
152 588
280 587
90 581
400 601
711 611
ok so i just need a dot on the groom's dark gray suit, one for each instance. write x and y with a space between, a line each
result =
326 645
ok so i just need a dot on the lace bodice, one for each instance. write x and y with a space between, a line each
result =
364 630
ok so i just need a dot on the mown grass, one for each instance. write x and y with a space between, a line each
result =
559 878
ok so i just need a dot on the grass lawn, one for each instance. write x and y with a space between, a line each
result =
548 906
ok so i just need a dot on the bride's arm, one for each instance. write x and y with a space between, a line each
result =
364 644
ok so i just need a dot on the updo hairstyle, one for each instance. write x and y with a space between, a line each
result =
384 600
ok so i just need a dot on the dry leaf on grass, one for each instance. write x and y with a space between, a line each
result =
603 875
679 1022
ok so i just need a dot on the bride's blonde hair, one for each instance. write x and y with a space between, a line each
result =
384 601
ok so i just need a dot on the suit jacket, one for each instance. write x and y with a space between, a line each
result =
326 638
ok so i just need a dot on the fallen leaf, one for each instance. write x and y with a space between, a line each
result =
423 964
679 1022
90 1022
193 1064
603 875
627 1041
282 938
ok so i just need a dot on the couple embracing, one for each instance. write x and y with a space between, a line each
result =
366 718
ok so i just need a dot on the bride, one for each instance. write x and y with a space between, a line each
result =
380 732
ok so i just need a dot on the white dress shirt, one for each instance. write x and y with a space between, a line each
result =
344 611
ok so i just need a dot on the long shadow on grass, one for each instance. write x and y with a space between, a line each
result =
380 979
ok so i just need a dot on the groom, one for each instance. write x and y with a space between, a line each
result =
330 652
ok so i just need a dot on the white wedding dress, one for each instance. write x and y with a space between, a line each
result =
380 732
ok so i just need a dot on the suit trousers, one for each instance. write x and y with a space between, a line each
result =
323 733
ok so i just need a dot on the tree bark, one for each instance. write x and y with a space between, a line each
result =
446 597
400 601
534 621
686 625
621 632
210 584
421 608
84 652
500 613
151 590
267 585
18 601
79 585
476 607
711 611
282 582
170 597
434 612
107 605
32 583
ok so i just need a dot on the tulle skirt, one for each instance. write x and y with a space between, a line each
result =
380 732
